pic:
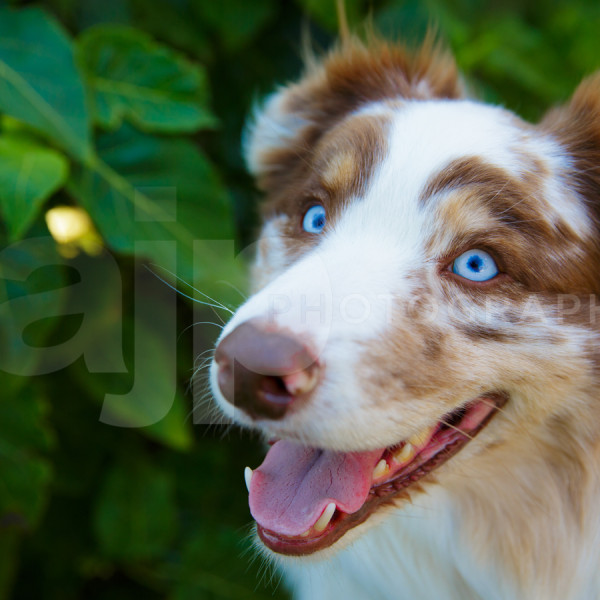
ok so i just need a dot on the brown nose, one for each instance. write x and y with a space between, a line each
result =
263 370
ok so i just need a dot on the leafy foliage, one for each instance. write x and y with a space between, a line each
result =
119 134
41 85
29 173
25 473
133 77
135 514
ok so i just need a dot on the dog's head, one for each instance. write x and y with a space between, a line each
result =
425 283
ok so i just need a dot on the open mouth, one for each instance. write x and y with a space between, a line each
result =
304 499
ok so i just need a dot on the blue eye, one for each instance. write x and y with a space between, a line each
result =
314 219
475 265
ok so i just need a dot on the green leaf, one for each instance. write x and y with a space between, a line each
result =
31 289
148 188
135 513
235 21
39 82
24 474
148 84
29 174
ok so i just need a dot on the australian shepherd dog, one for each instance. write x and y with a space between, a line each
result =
421 347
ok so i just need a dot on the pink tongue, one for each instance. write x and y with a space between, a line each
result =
292 487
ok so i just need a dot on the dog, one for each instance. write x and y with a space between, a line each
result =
421 346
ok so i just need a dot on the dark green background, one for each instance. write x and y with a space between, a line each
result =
103 104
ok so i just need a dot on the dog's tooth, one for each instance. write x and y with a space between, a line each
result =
324 519
420 439
380 469
405 454
301 382
306 533
248 476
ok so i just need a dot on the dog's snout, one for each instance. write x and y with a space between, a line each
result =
263 370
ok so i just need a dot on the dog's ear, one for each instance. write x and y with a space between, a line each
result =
284 131
274 130
576 125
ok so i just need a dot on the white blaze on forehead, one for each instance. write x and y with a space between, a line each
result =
427 136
